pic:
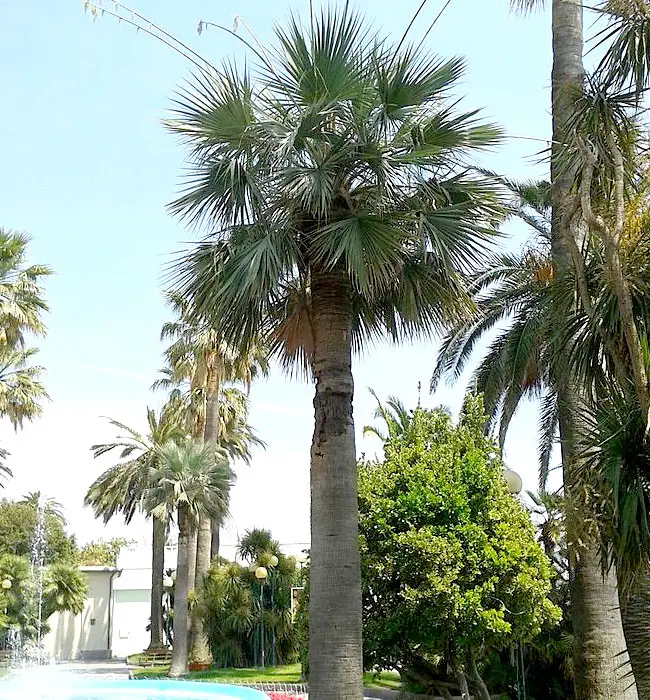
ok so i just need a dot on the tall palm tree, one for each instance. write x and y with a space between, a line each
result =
122 488
22 305
336 182
199 359
193 479
518 295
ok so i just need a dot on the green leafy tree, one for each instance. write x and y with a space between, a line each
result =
122 487
102 552
450 563
344 212
193 480
17 525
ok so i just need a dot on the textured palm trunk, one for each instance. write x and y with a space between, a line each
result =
180 650
157 572
200 645
211 434
215 542
635 608
191 580
335 649
598 633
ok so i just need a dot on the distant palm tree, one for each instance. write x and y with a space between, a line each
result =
194 480
344 211
122 488
22 305
201 363
50 505
395 415
22 302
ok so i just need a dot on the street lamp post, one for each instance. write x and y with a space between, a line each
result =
273 562
515 485
260 574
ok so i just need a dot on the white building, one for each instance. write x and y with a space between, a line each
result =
114 620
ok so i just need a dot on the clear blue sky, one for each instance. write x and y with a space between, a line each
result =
87 170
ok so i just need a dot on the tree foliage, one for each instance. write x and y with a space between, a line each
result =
17 525
450 563
102 552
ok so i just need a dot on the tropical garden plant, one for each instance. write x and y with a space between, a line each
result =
241 614
335 178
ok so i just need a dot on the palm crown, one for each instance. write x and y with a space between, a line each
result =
344 153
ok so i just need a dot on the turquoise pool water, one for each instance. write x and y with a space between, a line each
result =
88 689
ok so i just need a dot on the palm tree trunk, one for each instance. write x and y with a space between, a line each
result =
335 649
157 572
200 645
215 542
598 630
180 650
211 434
635 609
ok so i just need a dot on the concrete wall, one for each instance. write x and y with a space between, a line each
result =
85 635
131 613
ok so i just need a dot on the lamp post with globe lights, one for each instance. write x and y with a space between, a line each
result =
513 480
515 486
6 586
261 574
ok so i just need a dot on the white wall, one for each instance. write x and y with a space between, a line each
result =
130 619
84 635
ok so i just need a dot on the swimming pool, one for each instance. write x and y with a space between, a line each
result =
89 689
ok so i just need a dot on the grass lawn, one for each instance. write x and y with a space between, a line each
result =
277 674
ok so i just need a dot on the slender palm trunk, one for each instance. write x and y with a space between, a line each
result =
335 648
635 608
598 633
191 581
211 434
215 542
157 571
200 646
180 649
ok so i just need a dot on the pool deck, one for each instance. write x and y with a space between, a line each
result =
104 670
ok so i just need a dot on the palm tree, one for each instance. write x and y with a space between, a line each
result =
21 295
395 415
22 306
198 357
51 505
194 480
336 182
122 487
202 362
598 637
521 292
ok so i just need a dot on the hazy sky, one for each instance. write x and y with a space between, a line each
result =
87 169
